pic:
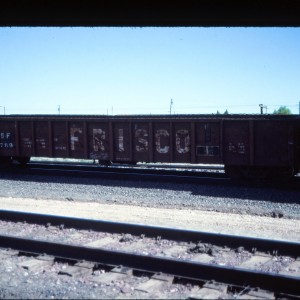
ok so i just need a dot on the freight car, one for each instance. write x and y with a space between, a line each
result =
251 146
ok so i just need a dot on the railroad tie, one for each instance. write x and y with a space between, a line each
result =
101 242
38 263
257 294
293 269
210 290
155 285
4 253
255 261
202 258
79 269
117 273
175 250
138 245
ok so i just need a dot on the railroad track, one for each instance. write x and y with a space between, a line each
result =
211 175
117 172
193 256
139 165
180 169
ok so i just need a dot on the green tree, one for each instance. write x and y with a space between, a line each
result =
282 110
226 112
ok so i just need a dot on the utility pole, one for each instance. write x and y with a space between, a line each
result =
262 108
171 104
58 109
3 110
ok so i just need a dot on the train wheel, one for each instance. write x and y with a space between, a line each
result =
127 162
233 172
104 163
287 172
249 173
259 173
291 172
23 160
5 161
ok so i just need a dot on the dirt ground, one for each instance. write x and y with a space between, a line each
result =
236 224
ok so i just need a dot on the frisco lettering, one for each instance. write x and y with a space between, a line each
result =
141 139
100 140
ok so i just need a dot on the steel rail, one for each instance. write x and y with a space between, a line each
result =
184 172
178 176
186 269
110 173
136 166
278 247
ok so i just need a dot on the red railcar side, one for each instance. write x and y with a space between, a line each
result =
243 143
260 148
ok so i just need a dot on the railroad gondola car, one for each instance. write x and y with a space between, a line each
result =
251 146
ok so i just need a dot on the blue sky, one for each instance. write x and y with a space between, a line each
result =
139 70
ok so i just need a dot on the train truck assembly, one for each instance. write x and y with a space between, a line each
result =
251 146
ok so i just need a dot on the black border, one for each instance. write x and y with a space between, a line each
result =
142 13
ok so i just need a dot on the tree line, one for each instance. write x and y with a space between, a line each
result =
282 110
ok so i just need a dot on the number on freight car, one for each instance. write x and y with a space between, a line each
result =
6 140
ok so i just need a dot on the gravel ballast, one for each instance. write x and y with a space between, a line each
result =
272 213
249 225
266 213
241 200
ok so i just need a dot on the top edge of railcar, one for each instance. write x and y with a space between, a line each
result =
147 117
